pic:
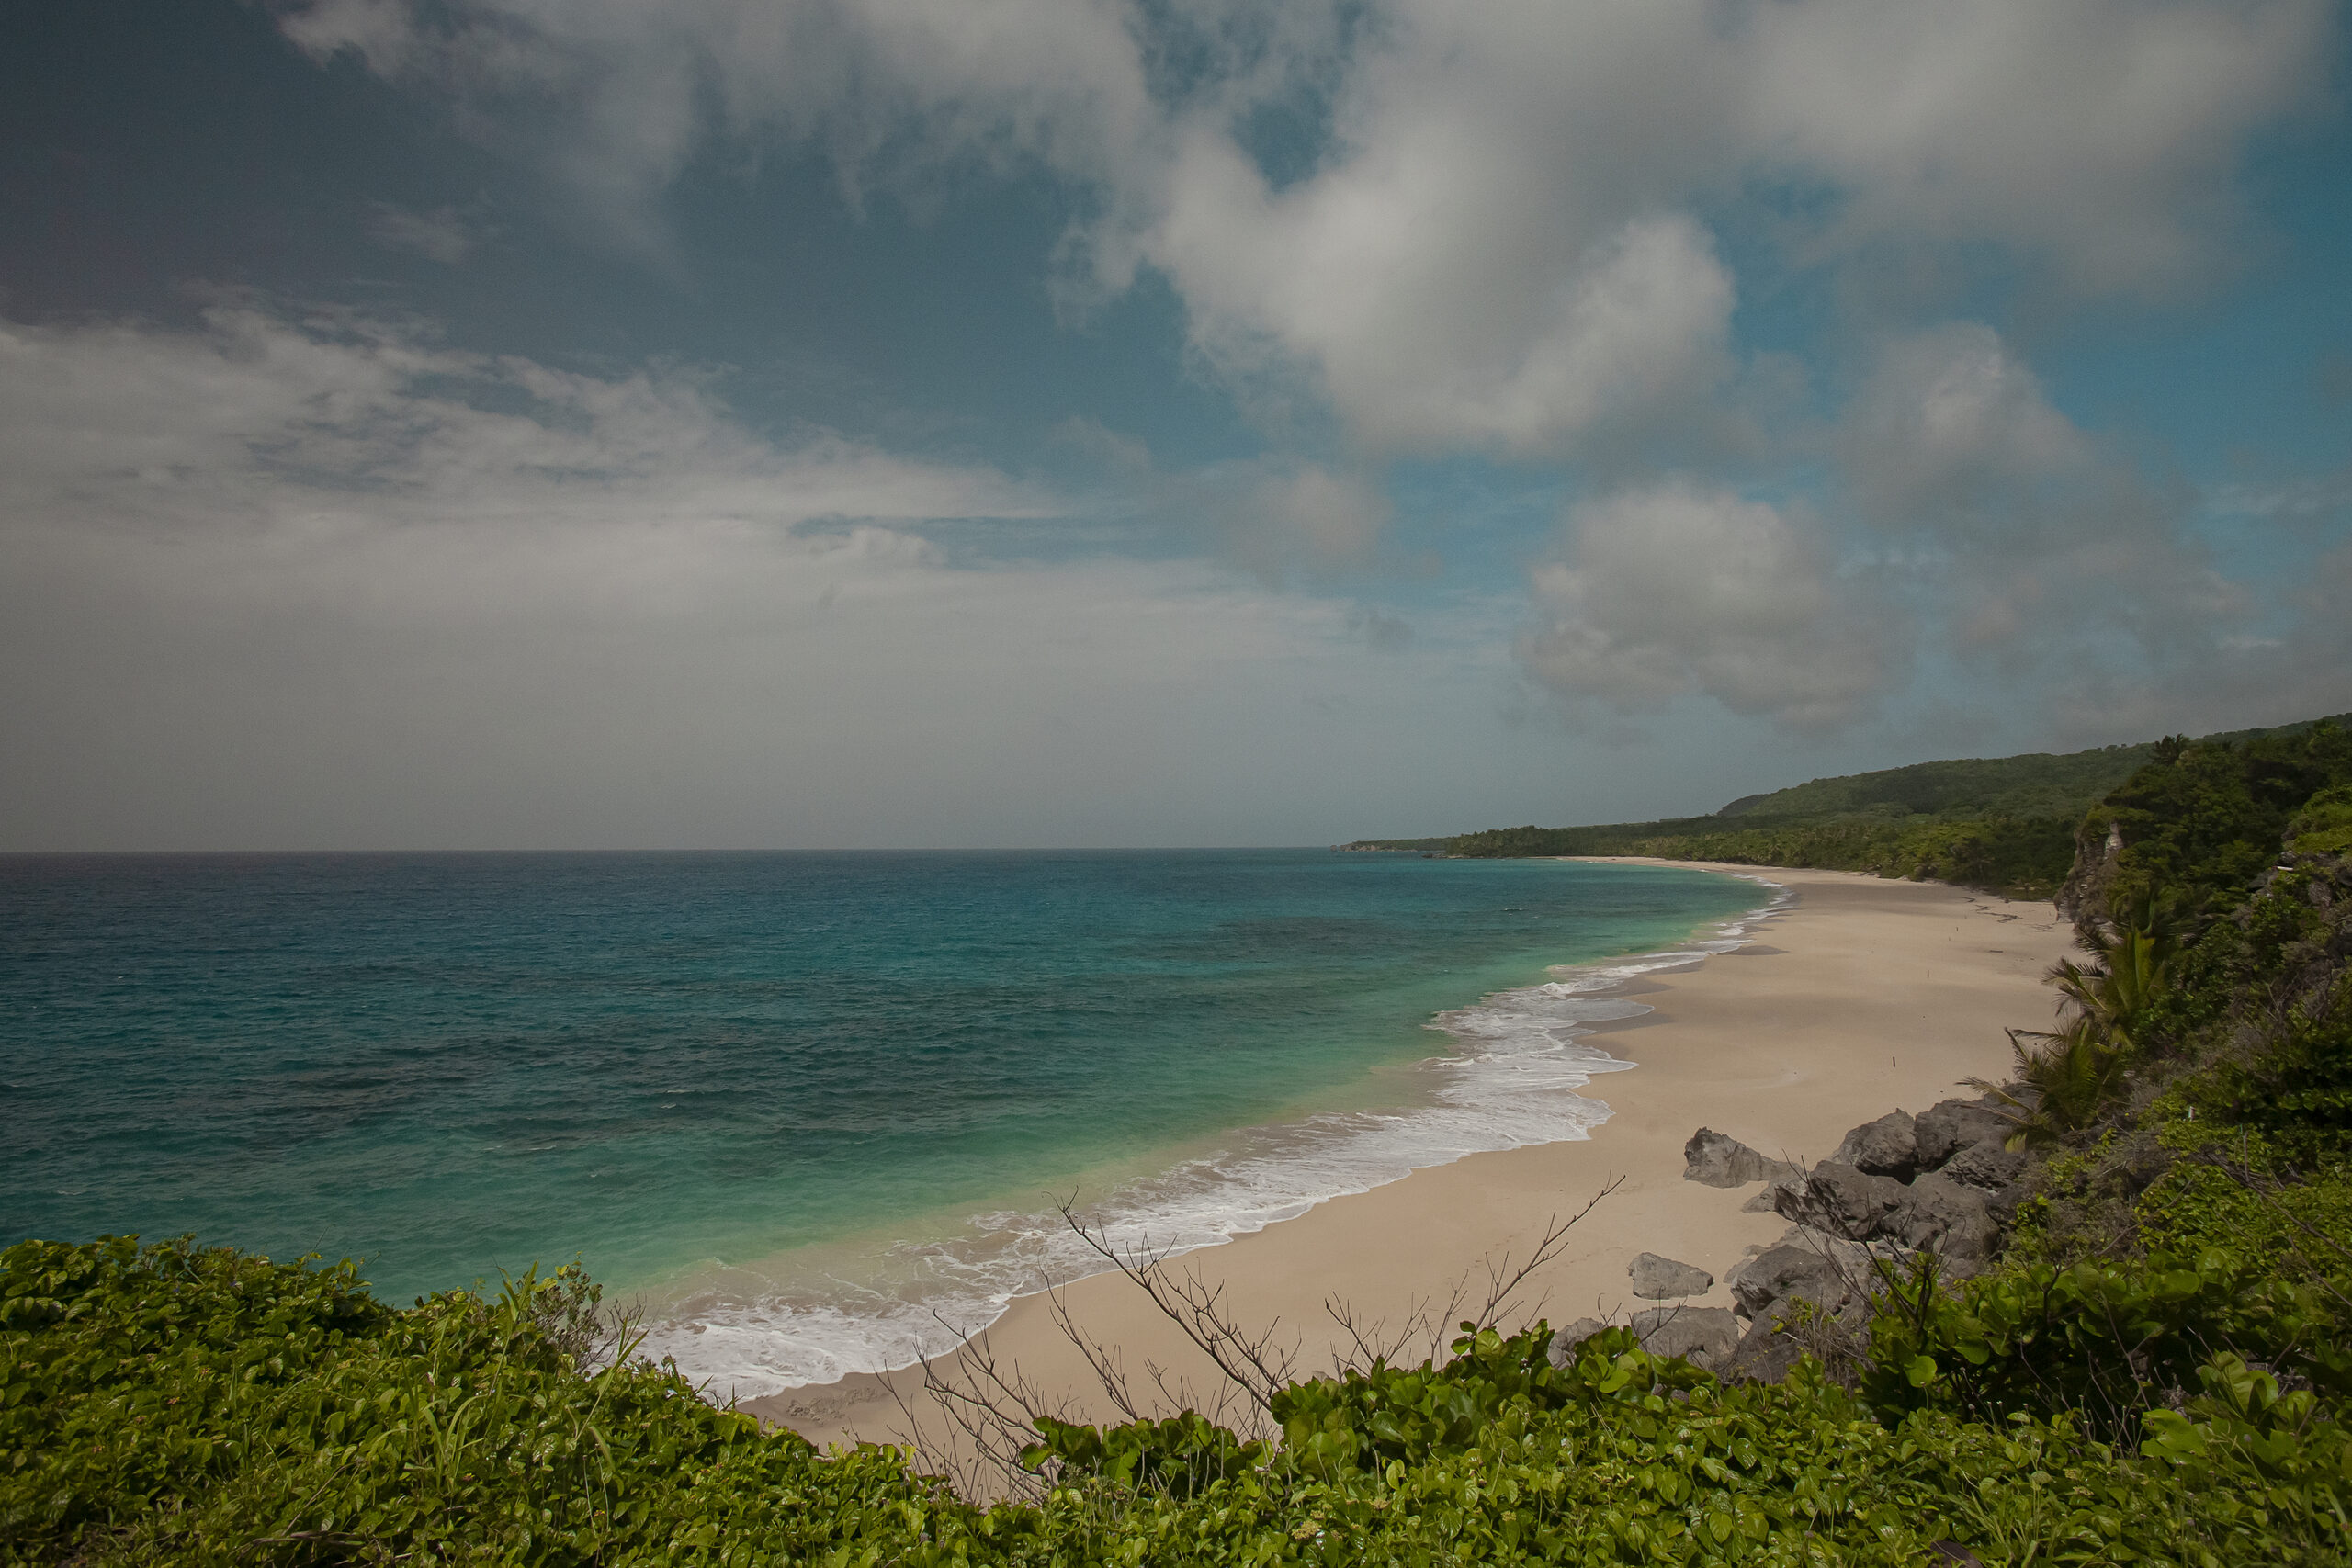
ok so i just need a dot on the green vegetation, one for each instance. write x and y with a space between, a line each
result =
2158 1371
2205 818
2007 824
2037 784
2021 857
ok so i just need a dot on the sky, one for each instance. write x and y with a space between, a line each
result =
846 423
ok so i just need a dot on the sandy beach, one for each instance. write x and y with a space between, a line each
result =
1860 997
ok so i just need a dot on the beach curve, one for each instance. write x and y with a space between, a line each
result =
1861 995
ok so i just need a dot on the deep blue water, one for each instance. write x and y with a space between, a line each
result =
449 1064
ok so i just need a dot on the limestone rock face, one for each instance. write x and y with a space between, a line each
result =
1840 1199
1662 1278
1946 1128
1888 1146
2085 889
1987 1165
1716 1159
1705 1335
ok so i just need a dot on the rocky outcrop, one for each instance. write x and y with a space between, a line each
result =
2083 897
1942 1182
1662 1278
1938 1214
1943 1130
1705 1335
1888 1146
1565 1342
1715 1160
1767 1354
1986 1166
1840 1199
1931 1213
1812 1267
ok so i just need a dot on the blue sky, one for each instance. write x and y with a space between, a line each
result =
837 422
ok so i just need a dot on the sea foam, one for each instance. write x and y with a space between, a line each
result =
1512 1079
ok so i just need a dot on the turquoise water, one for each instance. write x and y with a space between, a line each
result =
801 1100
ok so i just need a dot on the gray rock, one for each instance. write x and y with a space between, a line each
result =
1840 1199
1888 1146
1940 1215
1949 1126
1702 1335
1716 1159
1565 1342
1987 1165
1662 1278
1765 1355
1828 1273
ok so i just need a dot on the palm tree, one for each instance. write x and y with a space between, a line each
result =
2071 1071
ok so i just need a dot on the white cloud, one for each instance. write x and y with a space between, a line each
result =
2098 138
2230 682
118 426
1498 247
1519 238
1676 589
1329 519
2041 555
1950 429
440 235
325 583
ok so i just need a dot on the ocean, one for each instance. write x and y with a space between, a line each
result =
810 1112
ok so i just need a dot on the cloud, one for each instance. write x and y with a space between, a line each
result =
1524 232
2097 140
1385 633
288 582
1496 239
2047 558
2232 681
440 235
1950 431
119 427
1676 589
1307 511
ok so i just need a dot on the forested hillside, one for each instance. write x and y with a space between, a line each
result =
2005 824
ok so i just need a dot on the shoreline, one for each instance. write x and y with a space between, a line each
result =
1514 1070
1777 1042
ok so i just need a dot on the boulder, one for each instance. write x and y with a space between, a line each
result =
1765 1355
1703 1334
1565 1342
1662 1278
1840 1199
1716 1159
1940 1215
1949 1126
1888 1146
1823 1270
1987 1165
